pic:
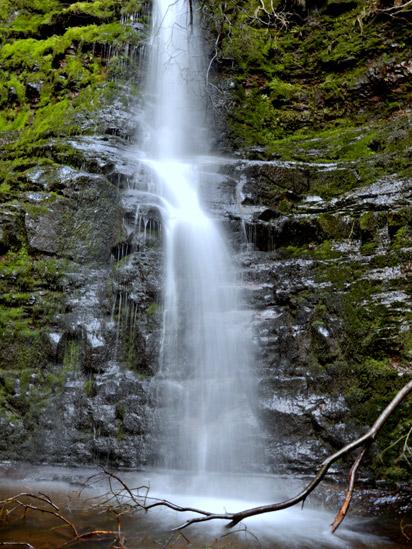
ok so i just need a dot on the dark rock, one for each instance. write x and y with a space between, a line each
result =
33 91
268 215
12 96
104 418
337 7
134 424
43 227
11 228
83 226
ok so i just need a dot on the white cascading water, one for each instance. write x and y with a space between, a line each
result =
204 386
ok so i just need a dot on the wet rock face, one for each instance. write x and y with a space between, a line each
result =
88 399
327 281
302 420
106 421
109 343
326 278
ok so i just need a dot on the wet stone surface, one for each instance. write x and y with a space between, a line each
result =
300 271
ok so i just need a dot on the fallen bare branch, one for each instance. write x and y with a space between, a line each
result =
341 514
170 505
30 507
11 504
363 442
125 487
395 9
89 536
18 501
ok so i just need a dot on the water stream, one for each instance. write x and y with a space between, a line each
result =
205 390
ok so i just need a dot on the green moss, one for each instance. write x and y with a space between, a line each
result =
310 73
55 119
369 248
5 190
36 210
349 48
367 221
294 251
282 91
341 143
285 206
27 24
56 59
255 120
250 47
22 346
376 384
30 53
335 226
325 250
89 387
61 67
26 273
152 309
396 473
369 352
385 260
402 238
14 119
103 9
339 275
71 357
13 321
120 434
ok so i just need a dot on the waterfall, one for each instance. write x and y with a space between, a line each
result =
204 387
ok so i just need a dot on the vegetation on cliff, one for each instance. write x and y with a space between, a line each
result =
58 61
311 81
330 81
307 75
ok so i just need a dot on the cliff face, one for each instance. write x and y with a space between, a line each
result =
320 93
315 99
71 362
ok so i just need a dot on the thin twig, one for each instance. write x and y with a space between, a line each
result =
126 488
88 536
40 497
341 514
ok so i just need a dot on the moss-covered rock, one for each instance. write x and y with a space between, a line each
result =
308 74
57 62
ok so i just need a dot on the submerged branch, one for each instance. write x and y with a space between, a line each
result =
16 544
18 502
91 536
